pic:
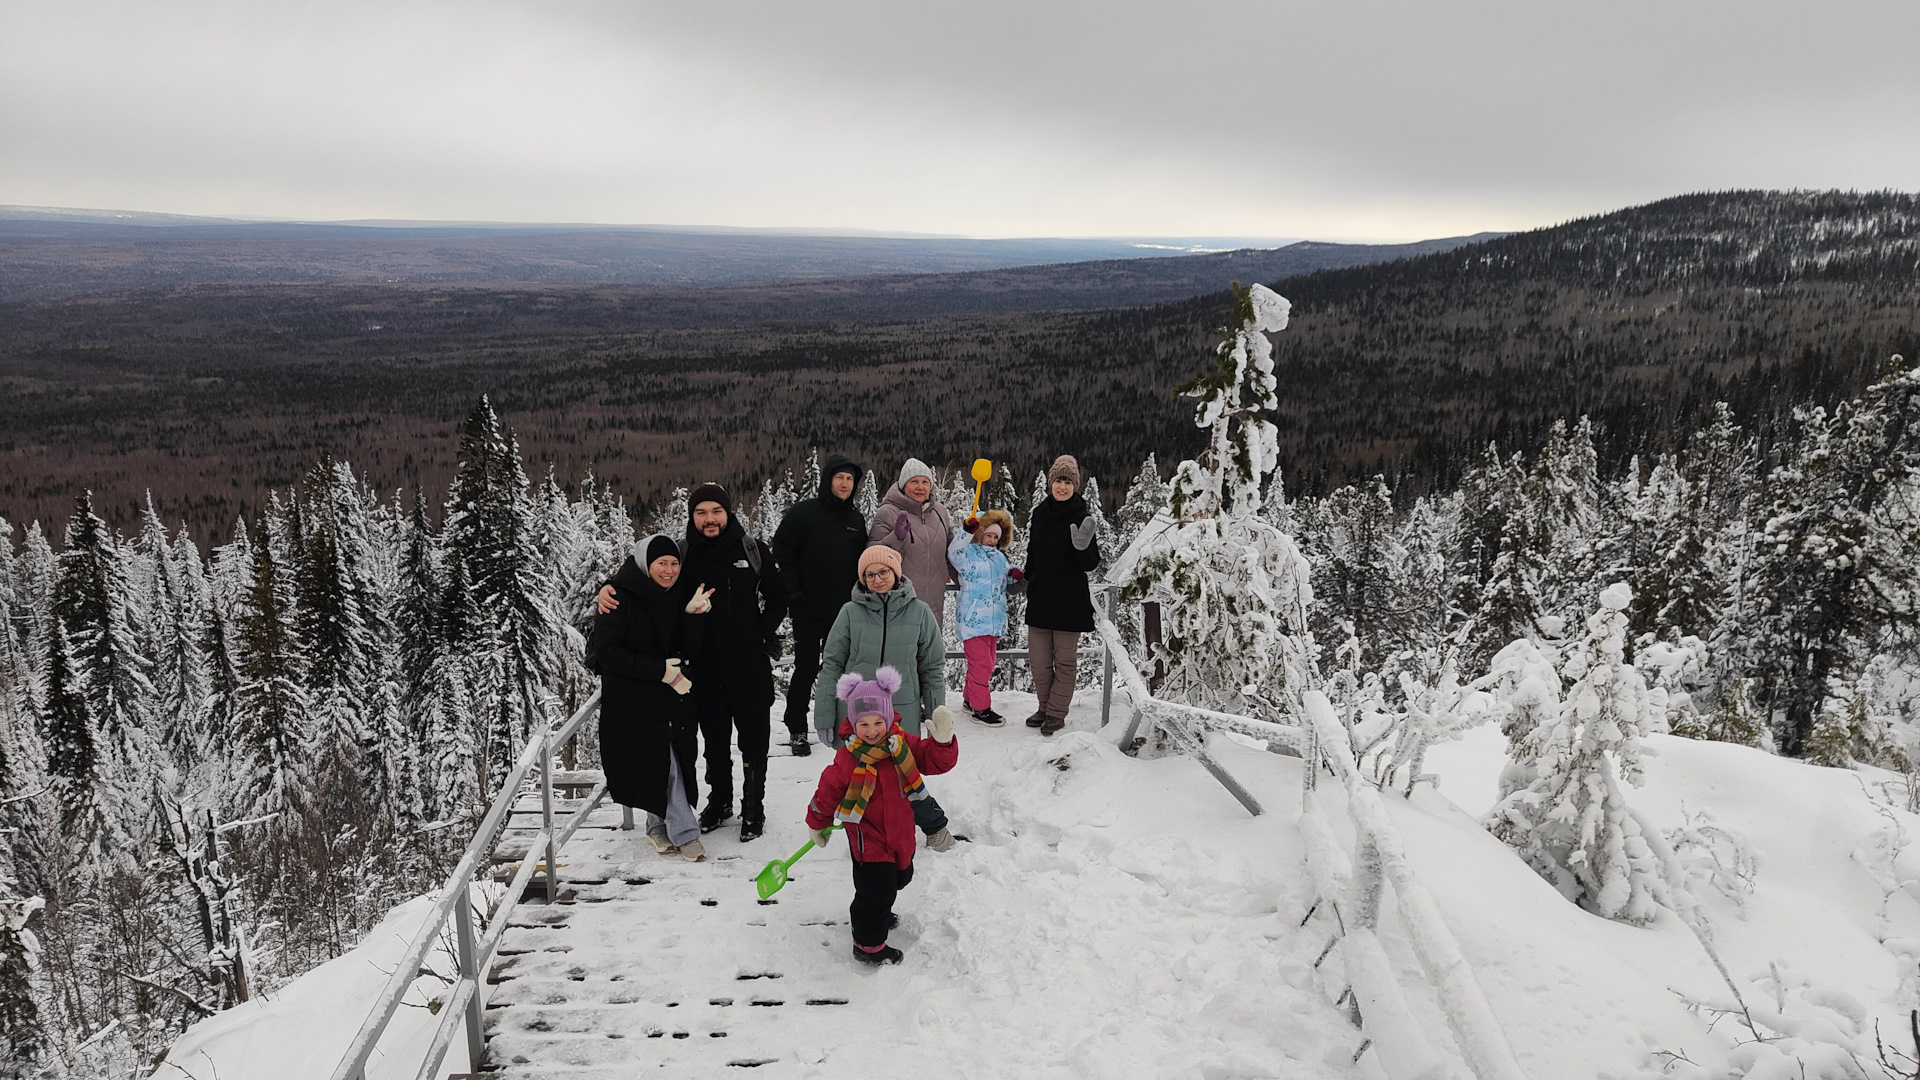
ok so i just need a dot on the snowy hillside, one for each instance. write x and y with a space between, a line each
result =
1117 916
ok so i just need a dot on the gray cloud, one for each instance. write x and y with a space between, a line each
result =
1359 120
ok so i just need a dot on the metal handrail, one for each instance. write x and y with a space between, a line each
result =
1103 649
456 898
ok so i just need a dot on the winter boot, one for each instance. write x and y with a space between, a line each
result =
715 814
987 718
751 826
1038 718
1052 724
800 745
887 954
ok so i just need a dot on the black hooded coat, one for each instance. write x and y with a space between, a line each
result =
748 606
818 546
642 720
1057 593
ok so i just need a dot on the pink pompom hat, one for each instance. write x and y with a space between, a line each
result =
866 698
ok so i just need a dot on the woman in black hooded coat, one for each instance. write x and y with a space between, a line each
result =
649 730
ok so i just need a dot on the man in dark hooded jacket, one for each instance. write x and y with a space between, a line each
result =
733 687
818 546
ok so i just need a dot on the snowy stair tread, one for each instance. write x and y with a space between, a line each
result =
663 975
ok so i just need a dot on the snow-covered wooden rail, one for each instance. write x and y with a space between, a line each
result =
462 1008
1351 894
1352 891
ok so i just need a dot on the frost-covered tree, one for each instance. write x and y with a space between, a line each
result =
1234 588
91 600
73 751
1832 571
1358 567
1571 823
489 529
1145 497
23 1041
271 707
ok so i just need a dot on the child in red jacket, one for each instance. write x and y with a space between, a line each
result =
868 788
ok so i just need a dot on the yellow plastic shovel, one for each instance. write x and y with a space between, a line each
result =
982 472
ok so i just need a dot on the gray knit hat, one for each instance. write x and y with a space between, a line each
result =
914 467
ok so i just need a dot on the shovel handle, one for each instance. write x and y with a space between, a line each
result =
806 847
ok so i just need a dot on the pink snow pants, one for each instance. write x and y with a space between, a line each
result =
981 656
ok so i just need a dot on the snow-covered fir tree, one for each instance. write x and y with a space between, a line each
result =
1832 571
489 529
91 601
23 1041
271 714
1571 823
1234 589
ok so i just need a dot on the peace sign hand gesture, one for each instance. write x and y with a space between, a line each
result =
702 601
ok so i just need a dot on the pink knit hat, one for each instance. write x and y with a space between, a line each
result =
879 555
865 698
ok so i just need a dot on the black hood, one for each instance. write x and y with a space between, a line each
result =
839 463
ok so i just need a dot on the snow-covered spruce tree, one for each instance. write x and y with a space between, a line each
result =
1832 571
34 575
1145 497
489 529
1233 589
271 707
23 1042
73 752
90 598
1571 823
1357 563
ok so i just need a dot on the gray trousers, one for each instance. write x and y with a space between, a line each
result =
679 826
1055 657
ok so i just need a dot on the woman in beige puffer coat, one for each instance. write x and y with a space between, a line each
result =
912 521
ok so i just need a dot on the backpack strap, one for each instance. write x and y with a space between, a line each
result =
753 552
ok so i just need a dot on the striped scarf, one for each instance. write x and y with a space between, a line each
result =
866 777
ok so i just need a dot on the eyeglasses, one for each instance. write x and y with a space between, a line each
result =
876 575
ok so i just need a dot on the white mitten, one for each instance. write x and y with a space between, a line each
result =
821 836
940 724
1081 534
676 678
701 603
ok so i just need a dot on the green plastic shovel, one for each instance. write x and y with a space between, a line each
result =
775 875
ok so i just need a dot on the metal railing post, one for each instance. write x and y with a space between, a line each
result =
1106 686
546 812
470 969
626 818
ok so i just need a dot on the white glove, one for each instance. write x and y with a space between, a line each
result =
676 678
1081 534
702 601
940 724
821 836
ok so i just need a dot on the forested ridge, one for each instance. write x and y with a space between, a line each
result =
1641 318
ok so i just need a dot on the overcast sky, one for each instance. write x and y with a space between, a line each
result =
1343 119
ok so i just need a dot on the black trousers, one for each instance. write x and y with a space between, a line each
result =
718 722
809 637
875 884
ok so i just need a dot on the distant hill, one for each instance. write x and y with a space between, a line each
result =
1641 317
211 394
49 254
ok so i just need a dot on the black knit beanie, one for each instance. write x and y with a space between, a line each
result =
653 547
713 493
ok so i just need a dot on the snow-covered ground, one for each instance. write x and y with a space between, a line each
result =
1113 916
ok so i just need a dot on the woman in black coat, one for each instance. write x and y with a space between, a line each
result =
648 728
1061 552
